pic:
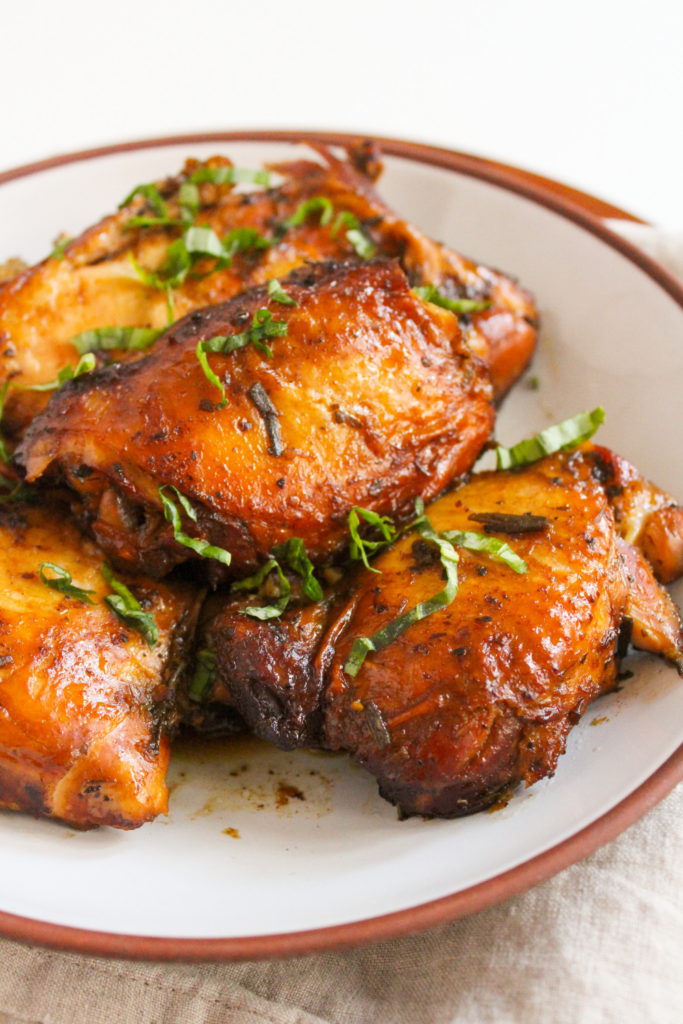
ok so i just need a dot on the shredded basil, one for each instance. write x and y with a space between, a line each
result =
85 364
152 196
359 547
230 176
63 583
205 673
430 293
269 611
263 326
496 549
293 552
128 609
172 516
59 250
104 339
188 201
363 246
172 271
278 294
243 240
560 437
306 209
362 645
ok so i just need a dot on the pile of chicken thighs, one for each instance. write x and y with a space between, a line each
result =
240 418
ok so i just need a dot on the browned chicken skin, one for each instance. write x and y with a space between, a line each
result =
85 705
481 695
92 283
374 399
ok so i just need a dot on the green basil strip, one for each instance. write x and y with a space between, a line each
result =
563 435
359 547
85 364
278 294
105 339
173 270
306 209
153 197
363 246
263 326
362 645
230 176
172 516
293 552
128 609
205 673
269 611
496 549
188 201
59 250
243 240
63 583
202 348
430 293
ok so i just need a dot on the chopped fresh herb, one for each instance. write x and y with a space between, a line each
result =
188 201
363 246
270 416
278 294
104 339
359 547
362 645
269 611
532 383
172 515
293 552
60 248
172 271
153 197
86 363
205 672
128 609
430 293
203 242
496 549
243 240
230 176
263 326
560 437
63 583
317 204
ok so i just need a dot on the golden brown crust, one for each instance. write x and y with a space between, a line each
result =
378 400
94 283
85 705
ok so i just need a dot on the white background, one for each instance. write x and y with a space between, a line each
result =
588 92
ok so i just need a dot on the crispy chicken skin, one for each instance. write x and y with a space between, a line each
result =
481 695
376 399
93 282
85 705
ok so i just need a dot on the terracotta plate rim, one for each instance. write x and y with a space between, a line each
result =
588 212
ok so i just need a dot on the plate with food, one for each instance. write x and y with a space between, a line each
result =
340 568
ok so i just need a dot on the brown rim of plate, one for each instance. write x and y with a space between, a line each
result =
588 212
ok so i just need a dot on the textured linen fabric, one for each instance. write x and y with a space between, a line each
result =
601 943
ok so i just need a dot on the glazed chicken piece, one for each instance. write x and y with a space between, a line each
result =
480 695
92 282
85 705
370 397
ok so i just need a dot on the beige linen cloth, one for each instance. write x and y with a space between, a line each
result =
601 943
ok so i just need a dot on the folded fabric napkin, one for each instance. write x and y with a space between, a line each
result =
602 942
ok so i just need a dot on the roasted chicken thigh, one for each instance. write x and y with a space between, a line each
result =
369 396
481 694
85 704
113 274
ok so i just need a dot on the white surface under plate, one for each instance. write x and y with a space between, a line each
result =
317 846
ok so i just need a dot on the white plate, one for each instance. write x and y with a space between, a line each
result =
611 335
